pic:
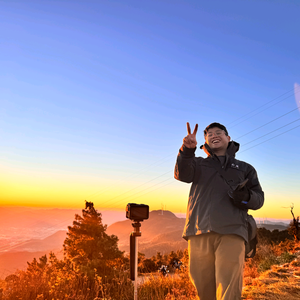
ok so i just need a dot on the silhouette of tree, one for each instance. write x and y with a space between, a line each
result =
88 246
266 237
294 228
147 266
159 260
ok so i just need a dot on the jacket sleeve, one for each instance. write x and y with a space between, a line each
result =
256 200
185 164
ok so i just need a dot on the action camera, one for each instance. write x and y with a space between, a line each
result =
137 212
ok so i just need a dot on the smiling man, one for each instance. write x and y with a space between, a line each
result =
216 221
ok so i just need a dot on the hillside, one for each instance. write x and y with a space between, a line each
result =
12 261
52 242
19 224
280 282
162 232
271 227
18 256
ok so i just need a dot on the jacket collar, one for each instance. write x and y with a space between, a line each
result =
232 148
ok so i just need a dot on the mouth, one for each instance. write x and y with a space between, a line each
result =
215 141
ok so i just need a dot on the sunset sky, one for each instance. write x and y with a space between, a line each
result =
95 96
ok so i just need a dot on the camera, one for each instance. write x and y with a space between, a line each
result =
137 212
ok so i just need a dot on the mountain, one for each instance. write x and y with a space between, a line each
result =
10 262
162 232
274 226
52 242
23 223
20 254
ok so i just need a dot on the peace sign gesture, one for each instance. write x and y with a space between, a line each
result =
190 140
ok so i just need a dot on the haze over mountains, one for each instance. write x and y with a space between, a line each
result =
162 232
31 233
19 224
27 233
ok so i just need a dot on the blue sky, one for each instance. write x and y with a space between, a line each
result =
95 96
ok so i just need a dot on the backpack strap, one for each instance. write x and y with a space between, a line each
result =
250 247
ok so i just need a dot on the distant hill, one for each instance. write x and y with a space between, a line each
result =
162 232
19 255
52 242
24 223
272 227
12 261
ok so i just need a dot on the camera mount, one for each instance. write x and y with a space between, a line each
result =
136 213
136 228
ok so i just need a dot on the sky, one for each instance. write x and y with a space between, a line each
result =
95 96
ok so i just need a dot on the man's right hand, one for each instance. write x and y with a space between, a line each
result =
190 140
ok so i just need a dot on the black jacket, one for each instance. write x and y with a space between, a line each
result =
209 207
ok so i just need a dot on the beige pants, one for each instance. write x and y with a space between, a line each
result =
216 265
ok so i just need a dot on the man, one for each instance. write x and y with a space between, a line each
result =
223 189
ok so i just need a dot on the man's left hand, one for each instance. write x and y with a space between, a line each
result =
241 197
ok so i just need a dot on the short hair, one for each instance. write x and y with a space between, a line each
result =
215 124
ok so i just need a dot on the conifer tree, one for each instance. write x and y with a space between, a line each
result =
88 246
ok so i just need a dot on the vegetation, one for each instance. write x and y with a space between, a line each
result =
294 228
88 247
93 268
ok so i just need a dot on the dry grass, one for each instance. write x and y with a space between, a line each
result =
268 287
281 280
274 274
174 287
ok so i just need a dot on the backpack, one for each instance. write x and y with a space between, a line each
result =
250 248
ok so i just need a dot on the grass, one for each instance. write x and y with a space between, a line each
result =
273 274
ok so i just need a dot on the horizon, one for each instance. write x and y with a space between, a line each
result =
120 215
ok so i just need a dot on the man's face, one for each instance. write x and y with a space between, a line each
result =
217 140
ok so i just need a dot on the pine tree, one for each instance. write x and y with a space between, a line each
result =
88 246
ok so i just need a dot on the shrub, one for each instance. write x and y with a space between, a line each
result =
267 263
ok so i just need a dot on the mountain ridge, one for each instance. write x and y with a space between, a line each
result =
162 232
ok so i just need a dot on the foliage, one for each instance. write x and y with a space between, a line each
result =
88 246
93 266
177 287
56 279
269 254
149 265
94 269
294 229
266 236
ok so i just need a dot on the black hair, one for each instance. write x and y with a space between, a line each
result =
215 124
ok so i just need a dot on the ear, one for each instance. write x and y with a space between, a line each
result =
229 138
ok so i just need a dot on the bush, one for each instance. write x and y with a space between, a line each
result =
267 263
286 257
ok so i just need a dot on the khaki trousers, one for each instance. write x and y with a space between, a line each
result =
216 265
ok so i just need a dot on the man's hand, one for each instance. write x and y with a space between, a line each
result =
241 197
190 140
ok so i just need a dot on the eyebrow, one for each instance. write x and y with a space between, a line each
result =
219 130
